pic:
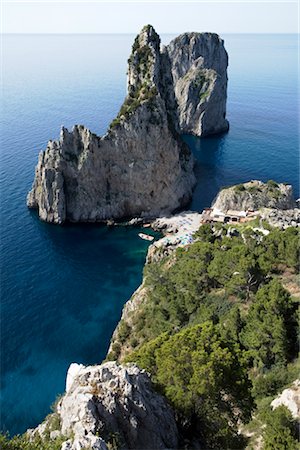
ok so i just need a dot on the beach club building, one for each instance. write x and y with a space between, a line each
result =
212 215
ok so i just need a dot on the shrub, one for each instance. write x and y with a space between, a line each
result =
270 329
280 432
272 184
272 381
22 443
201 373
123 331
239 188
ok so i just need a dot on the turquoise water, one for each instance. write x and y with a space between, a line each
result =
63 288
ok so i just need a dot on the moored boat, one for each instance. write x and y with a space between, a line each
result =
146 237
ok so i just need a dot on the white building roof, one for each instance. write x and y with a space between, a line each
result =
235 212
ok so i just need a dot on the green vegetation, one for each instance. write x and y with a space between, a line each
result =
206 279
218 334
272 184
254 189
199 80
22 443
141 59
124 331
281 430
201 373
270 332
199 83
204 95
239 188
269 382
272 188
144 92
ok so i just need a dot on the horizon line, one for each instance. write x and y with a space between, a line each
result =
135 33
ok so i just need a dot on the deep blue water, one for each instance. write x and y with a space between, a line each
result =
63 288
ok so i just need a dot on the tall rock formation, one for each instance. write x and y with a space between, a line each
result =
140 167
198 64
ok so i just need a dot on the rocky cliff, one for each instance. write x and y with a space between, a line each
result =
110 406
255 195
198 64
140 167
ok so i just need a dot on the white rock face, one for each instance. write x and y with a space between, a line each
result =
253 196
140 167
290 398
73 371
112 400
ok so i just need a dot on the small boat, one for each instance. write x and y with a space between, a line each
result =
146 237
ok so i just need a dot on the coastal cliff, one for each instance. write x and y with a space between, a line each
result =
224 303
140 167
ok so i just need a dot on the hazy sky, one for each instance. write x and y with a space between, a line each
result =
252 16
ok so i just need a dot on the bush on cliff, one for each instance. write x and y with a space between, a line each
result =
205 379
280 432
23 443
271 327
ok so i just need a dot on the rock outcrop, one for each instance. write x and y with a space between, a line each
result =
117 348
112 406
255 195
140 167
290 398
280 218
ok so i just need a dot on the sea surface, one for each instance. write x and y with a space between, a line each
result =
63 287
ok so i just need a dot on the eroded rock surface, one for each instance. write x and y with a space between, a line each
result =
115 405
290 398
140 167
280 218
255 195
199 70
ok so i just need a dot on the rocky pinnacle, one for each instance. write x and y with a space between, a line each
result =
140 167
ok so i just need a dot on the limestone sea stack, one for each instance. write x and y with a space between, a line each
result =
199 76
140 167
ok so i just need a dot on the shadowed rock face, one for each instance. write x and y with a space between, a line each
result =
199 70
140 167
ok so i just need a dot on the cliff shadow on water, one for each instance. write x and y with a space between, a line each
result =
211 175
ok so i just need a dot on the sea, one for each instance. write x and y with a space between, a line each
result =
63 287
